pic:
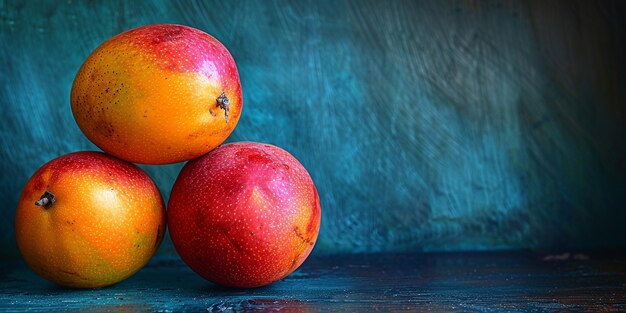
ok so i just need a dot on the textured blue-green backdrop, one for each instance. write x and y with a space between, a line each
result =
426 125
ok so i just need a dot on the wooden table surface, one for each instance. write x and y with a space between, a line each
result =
485 281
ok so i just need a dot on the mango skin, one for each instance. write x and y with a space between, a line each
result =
149 95
245 215
106 222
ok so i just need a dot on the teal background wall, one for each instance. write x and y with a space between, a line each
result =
426 125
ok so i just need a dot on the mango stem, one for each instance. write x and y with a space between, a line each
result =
46 200
223 102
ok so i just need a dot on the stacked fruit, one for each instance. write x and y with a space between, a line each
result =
241 215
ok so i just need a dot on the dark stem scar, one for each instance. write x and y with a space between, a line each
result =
46 200
224 103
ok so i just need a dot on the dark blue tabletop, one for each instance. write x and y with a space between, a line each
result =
494 281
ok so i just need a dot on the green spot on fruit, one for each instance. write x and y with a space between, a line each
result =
141 241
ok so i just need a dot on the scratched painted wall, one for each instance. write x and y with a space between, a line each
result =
430 125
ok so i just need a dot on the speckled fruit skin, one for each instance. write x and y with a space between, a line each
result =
244 215
150 95
107 220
